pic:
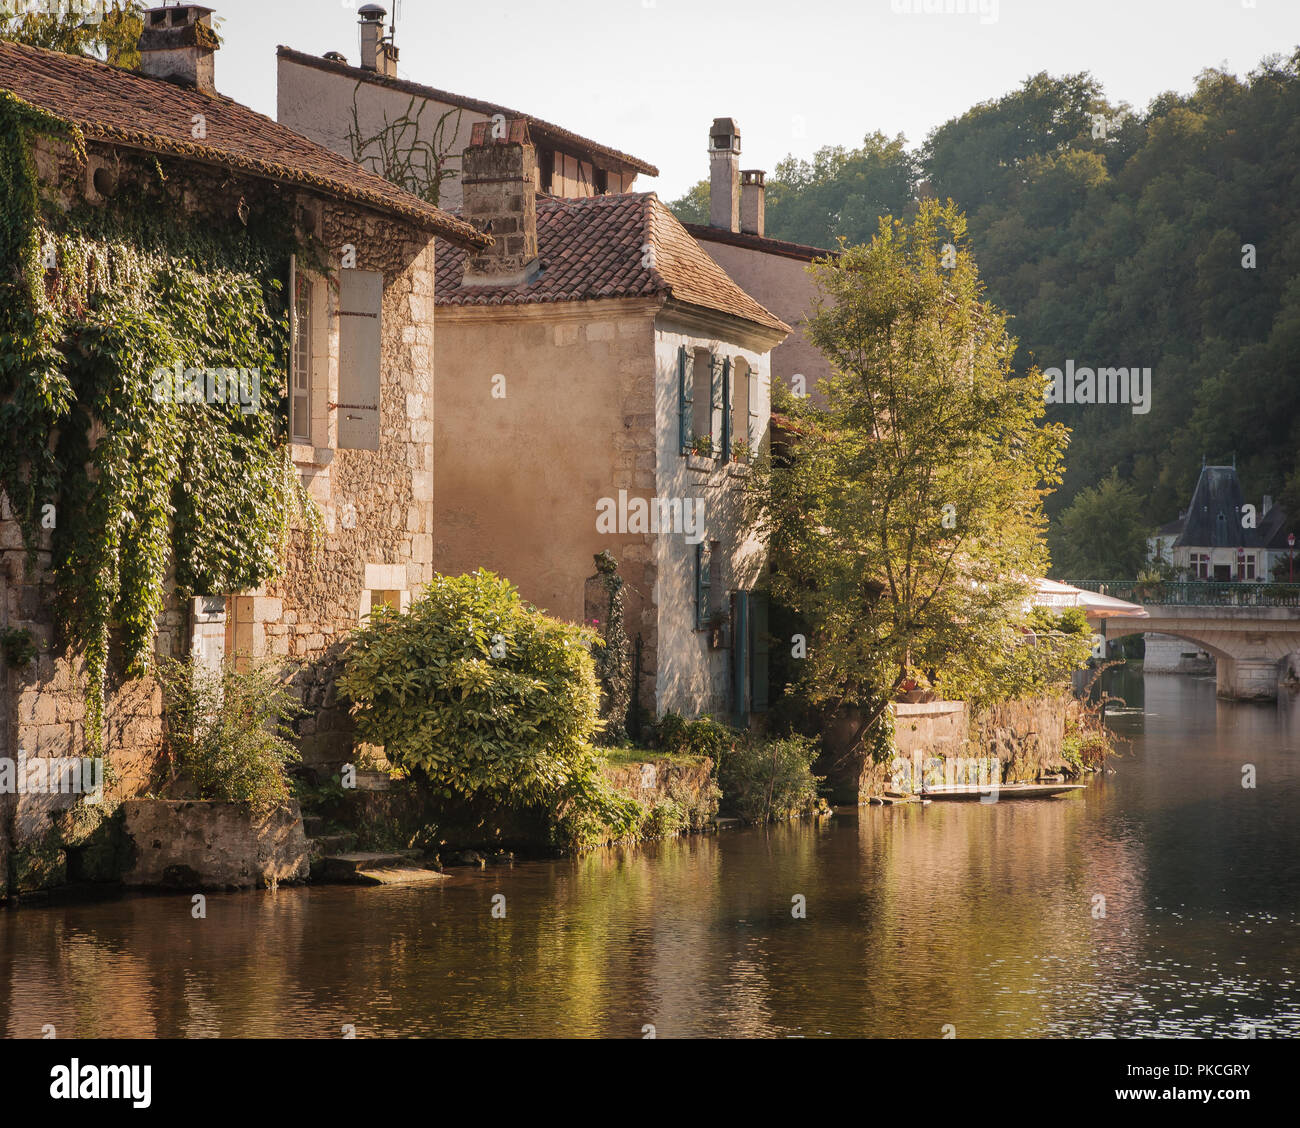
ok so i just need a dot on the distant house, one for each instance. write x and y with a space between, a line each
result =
1221 537
397 127
602 385
773 270
356 335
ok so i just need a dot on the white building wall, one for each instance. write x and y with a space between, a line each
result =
691 678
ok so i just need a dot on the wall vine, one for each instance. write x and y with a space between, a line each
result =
146 492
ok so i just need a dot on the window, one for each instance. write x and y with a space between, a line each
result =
1200 565
392 599
1249 570
702 402
361 295
703 584
300 404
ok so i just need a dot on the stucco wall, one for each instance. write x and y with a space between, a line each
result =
319 104
784 286
691 678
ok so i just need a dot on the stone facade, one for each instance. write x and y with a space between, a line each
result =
376 504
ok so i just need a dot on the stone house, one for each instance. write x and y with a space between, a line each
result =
368 114
358 395
602 385
774 271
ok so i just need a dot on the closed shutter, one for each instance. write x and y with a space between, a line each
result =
726 410
361 296
685 402
715 403
703 584
754 433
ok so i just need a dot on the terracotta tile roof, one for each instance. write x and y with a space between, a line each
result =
758 242
596 247
544 132
111 104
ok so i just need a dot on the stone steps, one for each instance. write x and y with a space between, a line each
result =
396 867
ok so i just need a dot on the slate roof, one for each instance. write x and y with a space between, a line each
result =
119 106
1214 518
599 247
543 132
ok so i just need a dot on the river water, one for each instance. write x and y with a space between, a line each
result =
983 918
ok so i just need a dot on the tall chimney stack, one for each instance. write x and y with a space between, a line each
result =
178 43
499 183
753 211
724 175
377 53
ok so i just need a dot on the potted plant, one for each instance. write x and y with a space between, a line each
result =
740 451
702 445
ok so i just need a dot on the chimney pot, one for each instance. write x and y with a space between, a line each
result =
178 43
378 53
753 212
724 174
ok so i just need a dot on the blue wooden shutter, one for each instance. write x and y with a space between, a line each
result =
703 582
715 403
685 402
726 410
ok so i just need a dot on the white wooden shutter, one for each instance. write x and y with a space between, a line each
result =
361 296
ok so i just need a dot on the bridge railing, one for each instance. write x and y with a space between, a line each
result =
1196 593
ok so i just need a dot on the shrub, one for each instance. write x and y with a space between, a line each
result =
491 699
229 729
769 780
703 736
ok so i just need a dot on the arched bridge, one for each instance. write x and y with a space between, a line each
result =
1249 628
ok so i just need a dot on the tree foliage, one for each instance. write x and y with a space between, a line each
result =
110 33
1102 535
1123 237
488 696
908 538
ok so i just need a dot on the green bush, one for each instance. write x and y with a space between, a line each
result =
491 699
769 780
229 729
703 736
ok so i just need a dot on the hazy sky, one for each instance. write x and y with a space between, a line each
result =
648 76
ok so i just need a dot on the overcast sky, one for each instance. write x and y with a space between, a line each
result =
648 76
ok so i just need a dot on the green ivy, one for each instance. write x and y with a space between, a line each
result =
141 488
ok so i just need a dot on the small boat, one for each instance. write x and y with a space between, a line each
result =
968 791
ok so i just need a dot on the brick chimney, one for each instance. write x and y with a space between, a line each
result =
178 43
724 175
378 53
752 209
499 182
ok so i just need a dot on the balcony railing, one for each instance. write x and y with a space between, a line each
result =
1197 593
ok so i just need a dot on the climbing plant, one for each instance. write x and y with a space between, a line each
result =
398 153
94 303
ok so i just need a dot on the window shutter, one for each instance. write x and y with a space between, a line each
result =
685 402
726 410
361 295
754 433
703 583
715 402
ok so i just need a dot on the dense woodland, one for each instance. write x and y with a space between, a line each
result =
1115 237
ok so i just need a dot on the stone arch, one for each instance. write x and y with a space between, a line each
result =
1123 632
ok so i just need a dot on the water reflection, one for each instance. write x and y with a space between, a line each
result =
979 916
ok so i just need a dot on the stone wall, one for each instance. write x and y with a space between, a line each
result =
184 844
688 784
1026 736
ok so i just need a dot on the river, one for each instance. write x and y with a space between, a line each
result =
961 918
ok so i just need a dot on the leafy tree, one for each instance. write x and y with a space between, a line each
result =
488 697
111 34
1102 535
906 529
694 206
